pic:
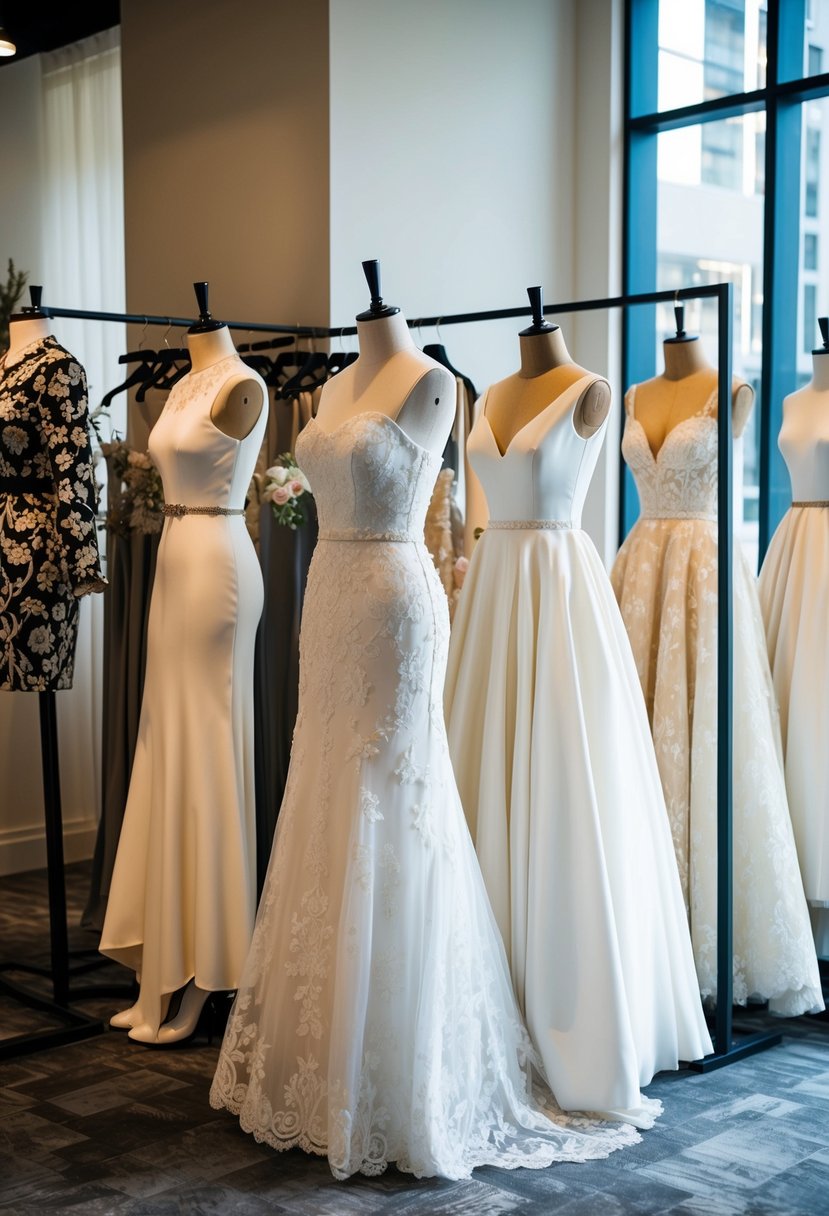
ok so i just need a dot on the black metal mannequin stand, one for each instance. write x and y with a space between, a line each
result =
73 1025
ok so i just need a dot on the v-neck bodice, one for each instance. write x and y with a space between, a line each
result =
545 470
680 480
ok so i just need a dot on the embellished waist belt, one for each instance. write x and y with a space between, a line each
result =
813 503
519 525
177 509
26 485
358 534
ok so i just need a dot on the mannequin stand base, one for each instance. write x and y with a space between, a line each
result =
740 1047
74 1026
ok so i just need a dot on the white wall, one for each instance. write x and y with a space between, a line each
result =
452 161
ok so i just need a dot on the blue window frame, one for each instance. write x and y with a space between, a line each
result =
768 68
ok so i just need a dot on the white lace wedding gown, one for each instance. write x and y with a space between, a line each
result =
375 1021
665 578
183 894
794 596
555 767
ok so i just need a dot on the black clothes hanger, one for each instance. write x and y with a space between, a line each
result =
171 364
266 344
141 374
316 363
339 359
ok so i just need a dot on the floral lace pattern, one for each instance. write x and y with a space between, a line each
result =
48 539
665 579
375 1021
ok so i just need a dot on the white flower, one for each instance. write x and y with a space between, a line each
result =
278 475
369 804
280 495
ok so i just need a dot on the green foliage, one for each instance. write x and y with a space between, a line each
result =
10 293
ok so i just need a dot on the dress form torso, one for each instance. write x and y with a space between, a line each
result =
22 334
239 399
804 436
394 378
681 392
546 372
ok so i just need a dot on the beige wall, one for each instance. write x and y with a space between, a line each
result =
226 156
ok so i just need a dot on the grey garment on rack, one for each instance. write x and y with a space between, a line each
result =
285 556
130 568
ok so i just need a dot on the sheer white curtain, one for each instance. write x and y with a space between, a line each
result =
82 207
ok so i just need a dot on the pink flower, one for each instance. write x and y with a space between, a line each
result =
459 570
280 495
296 487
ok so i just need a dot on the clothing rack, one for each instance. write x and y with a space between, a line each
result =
728 1047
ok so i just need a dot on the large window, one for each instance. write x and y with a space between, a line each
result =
728 180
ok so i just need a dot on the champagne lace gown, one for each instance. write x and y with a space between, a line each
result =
665 578
375 1020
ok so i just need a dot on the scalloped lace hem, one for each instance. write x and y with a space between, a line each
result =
624 1135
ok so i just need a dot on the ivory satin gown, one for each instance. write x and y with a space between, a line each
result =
665 578
375 1021
555 767
794 596
183 894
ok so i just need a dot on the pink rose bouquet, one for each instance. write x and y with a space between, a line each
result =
285 488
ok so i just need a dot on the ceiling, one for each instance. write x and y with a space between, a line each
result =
45 25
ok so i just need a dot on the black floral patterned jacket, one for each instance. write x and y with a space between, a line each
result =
48 540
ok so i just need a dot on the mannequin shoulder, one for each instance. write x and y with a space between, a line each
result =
742 403
238 405
428 412
592 408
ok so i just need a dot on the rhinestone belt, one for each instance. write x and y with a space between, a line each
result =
814 503
520 524
358 534
177 509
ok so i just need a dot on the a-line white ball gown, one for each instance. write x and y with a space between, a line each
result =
555 766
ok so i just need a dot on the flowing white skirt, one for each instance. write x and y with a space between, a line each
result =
665 578
794 596
555 766
375 1020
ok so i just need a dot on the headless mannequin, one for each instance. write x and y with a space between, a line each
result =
392 377
240 398
546 372
806 414
235 411
682 390
23 334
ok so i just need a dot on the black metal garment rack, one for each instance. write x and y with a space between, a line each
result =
727 1047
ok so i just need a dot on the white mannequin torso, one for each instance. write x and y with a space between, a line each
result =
682 391
23 334
804 435
392 377
546 372
240 399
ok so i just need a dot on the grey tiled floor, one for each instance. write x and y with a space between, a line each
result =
106 1126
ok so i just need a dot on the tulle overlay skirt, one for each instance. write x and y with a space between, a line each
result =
794 596
375 1021
665 578
551 748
